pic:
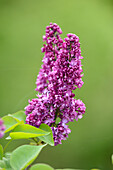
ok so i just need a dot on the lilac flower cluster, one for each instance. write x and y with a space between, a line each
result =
61 73
2 128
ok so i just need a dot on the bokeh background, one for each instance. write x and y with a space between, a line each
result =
22 25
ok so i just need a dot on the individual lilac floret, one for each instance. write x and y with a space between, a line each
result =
2 128
61 73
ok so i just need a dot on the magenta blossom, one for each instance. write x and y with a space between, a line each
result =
61 73
2 128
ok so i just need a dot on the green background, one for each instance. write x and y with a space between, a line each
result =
22 25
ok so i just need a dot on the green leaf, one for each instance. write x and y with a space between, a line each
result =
10 123
7 155
19 116
41 167
7 162
24 155
3 168
22 135
25 131
112 158
48 138
2 164
1 152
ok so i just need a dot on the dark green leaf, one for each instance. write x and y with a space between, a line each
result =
24 155
25 131
10 123
48 138
41 167
1 152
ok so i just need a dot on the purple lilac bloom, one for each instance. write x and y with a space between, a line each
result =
61 73
2 128
51 49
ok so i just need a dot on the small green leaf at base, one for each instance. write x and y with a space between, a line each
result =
10 123
48 138
19 116
25 131
41 167
24 155
12 120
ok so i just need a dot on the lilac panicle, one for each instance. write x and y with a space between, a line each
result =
2 128
61 73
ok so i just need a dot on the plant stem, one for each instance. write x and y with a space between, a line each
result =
28 167
56 114
40 142
7 145
35 140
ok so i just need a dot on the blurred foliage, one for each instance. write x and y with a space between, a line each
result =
22 25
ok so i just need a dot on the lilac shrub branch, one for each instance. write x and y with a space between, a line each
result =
61 73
